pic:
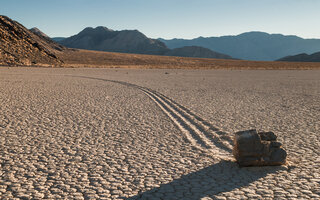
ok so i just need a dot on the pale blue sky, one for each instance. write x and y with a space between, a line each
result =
169 18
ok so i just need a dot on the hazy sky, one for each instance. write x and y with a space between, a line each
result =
169 18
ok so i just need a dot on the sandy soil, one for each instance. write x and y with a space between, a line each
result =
84 58
154 134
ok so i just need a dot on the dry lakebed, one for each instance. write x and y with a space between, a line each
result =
154 134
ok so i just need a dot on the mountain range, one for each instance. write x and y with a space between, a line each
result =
20 46
131 41
258 46
252 45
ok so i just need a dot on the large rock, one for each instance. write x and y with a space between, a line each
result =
258 149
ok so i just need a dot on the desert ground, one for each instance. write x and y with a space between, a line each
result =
97 59
154 133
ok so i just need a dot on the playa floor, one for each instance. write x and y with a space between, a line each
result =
154 134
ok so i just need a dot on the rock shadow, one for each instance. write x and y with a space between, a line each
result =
221 177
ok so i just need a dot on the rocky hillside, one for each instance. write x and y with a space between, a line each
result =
104 39
195 51
20 46
315 57
48 40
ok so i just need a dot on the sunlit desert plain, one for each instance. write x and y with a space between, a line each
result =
96 133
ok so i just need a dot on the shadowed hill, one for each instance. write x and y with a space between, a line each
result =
19 46
195 51
104 39
302 58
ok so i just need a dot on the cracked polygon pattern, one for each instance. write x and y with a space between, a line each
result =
147 134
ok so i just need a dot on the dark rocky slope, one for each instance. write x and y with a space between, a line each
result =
315 57
20 46
104 39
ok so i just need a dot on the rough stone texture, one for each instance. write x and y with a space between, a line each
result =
268 136
19 46
258 149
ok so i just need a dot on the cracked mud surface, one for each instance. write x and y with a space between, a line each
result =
148 134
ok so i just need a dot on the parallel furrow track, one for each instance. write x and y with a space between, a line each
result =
201 134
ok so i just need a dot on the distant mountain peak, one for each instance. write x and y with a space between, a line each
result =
35 29
265 34
38 32
259 33
255 32
100 29
103 28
